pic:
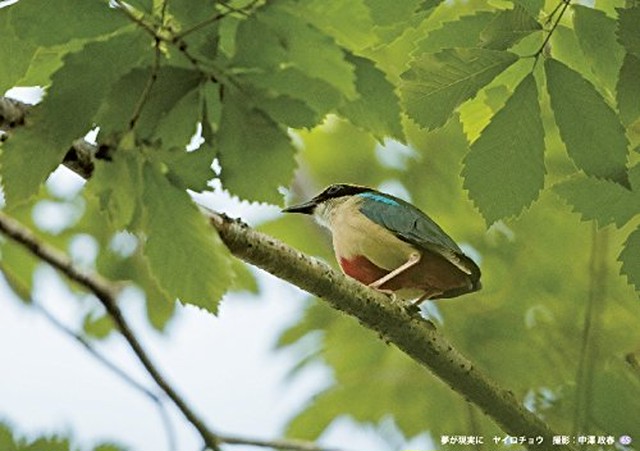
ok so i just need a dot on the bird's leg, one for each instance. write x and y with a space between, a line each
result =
414 258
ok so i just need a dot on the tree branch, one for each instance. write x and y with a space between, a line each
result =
115 369
414 336
107 292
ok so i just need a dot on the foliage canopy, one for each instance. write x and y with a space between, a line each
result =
523 111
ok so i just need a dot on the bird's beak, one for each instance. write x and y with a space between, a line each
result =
305 208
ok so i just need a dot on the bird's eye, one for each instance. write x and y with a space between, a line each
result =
333 190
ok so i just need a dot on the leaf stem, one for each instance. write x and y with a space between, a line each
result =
562 5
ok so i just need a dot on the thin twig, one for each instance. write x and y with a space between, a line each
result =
146 92
564 4
106 292
115 369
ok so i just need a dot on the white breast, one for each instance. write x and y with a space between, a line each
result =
355 234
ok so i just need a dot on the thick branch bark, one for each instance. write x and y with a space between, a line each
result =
414 336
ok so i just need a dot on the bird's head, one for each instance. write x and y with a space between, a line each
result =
322 205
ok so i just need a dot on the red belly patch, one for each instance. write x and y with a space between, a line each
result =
433 274
361 269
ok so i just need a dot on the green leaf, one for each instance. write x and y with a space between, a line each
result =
272 39
533 7
436 84
7 442
189 170
596 35
350 23
171 108
249 136
628 26
185 254
630 260
589 128
15 54
98 326
17 266
44 24
386 13
464 32
290 96
190 13
601 200
376 109
504 170
508 28
77 91
118 185
628 89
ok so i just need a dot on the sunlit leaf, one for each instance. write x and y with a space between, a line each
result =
508 28
504 170
436 84
273 38
590 129
463 32
178 238
601 200
596 35
47 24
77 91
630 260
376 109
255 153
15 54
628 26
628 89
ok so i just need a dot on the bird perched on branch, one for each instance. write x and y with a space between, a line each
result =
390 245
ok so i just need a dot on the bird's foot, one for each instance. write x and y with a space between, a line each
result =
389 293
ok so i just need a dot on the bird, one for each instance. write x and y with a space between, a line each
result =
390 245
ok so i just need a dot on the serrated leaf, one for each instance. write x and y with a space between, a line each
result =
185 254
533 7
589 128
350 23
386 13
17 266
189 170
49 24
377 107
15 54
249 135
630 260
504 170
291 97
273 38
596 35
171 108
436 84
601 200
67 112
118 185
628 89
628 26
464 32
189 12
508 28
180 123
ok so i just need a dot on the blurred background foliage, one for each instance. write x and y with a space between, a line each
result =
555 322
